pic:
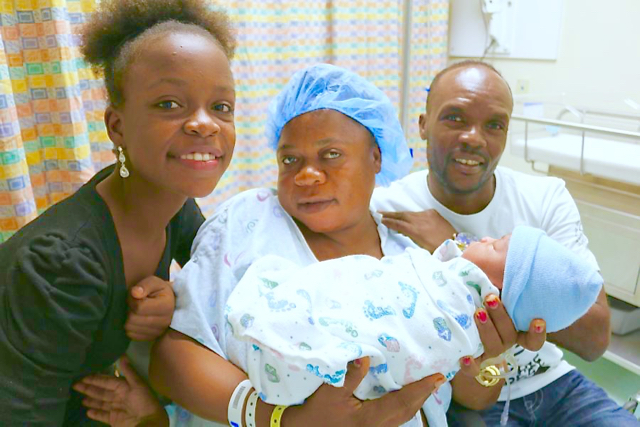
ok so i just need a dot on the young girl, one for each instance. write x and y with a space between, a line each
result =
66 275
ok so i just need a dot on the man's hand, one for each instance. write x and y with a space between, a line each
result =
427 228
121 402
151 304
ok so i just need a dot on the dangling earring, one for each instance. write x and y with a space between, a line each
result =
124 172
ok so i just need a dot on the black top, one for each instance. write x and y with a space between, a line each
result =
63 304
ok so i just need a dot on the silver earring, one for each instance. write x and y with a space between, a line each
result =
124 172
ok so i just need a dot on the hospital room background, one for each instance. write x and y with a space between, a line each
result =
573 66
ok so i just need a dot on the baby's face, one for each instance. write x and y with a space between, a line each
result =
490 255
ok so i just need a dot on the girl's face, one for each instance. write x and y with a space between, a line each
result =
177 123
327 164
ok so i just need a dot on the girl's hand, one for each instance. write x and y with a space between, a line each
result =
121 401
338 406
151 304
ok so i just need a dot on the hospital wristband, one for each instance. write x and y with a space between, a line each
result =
276 415
250 410
234 412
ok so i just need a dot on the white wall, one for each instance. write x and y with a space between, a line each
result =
598 57
598 60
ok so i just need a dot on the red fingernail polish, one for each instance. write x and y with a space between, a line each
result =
466 361
492 302
482 316
357 363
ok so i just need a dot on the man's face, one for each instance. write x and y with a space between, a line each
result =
466 128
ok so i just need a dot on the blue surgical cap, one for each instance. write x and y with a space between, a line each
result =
327 87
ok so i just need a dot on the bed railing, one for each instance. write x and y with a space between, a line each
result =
583 128
581 113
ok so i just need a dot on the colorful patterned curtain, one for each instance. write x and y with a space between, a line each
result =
278 37
428 56
52 136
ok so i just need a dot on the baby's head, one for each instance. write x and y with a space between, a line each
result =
530 249
490 255
532 269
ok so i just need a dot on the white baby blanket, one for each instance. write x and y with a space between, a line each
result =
412 314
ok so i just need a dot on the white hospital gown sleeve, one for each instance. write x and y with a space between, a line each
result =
244 228
222 250
199 285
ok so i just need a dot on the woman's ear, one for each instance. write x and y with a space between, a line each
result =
377 158
113 122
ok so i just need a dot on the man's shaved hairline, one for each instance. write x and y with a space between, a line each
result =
469 63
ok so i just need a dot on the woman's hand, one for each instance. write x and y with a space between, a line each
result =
151 304
498 334
203 382
121 401
338 406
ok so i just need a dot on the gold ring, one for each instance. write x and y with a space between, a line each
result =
488 376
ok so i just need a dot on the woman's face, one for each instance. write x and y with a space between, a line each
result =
327 164
177 123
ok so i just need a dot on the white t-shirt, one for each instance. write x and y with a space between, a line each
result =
245 228
519 199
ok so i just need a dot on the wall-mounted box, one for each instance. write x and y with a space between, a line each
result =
524 29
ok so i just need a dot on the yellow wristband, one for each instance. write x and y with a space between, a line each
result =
276 415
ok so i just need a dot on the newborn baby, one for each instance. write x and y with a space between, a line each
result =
412 314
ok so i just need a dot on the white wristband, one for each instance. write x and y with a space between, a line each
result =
234 413
250 412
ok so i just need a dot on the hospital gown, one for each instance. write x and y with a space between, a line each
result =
244 229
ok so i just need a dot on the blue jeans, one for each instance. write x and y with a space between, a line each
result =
571 400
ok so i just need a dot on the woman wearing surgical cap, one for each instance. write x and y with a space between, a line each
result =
335 135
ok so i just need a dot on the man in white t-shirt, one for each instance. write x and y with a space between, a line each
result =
466 122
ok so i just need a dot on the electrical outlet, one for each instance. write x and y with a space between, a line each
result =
522 86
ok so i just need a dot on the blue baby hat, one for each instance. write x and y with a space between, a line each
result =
545 280
327 87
